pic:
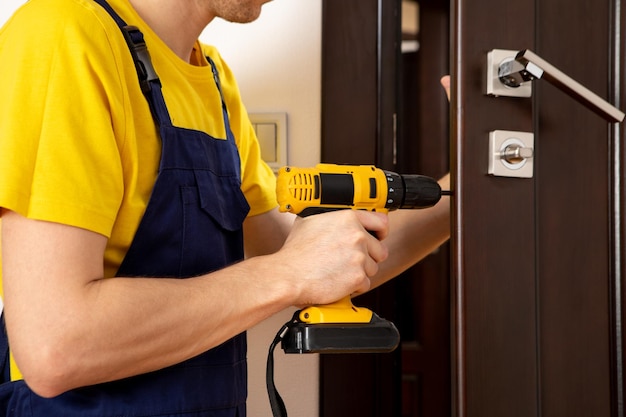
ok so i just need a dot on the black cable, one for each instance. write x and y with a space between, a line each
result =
276 402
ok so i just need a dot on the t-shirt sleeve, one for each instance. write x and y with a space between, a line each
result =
59 148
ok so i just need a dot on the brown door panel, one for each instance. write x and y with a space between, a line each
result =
535 307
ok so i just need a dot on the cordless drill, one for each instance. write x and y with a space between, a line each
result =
340 326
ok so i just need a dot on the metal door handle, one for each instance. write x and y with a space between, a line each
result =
528 66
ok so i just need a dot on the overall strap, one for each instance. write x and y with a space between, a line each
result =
148 78
216 77
5 357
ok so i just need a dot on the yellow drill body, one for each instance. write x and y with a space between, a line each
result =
328 187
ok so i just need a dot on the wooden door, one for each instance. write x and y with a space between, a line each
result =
423 292
377 104
359 97
537 262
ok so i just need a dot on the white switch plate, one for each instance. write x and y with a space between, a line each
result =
273 150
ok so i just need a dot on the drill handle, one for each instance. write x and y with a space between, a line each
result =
341 311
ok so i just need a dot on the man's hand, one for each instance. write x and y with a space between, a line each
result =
334 254
445 83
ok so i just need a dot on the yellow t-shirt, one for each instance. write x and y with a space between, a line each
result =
78 144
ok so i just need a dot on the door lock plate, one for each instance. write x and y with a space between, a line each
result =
495 87
511 154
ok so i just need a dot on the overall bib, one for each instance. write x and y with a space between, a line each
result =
192 225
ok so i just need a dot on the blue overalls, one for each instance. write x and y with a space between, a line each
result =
192 226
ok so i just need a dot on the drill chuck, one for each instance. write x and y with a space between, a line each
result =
411 191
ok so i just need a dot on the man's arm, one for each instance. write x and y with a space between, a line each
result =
413 235
69 327
266 233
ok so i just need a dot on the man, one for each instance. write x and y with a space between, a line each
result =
112 189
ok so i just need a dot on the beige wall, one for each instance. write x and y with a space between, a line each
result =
277 60
7 7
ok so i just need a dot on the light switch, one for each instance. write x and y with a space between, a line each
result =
266 133
271 131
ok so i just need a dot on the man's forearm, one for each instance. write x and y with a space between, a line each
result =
414 234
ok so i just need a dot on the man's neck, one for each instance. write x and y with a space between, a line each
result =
178 24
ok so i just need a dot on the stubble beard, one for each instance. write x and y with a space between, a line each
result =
238 11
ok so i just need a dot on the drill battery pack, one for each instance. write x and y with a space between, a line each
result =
339 327
376 336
